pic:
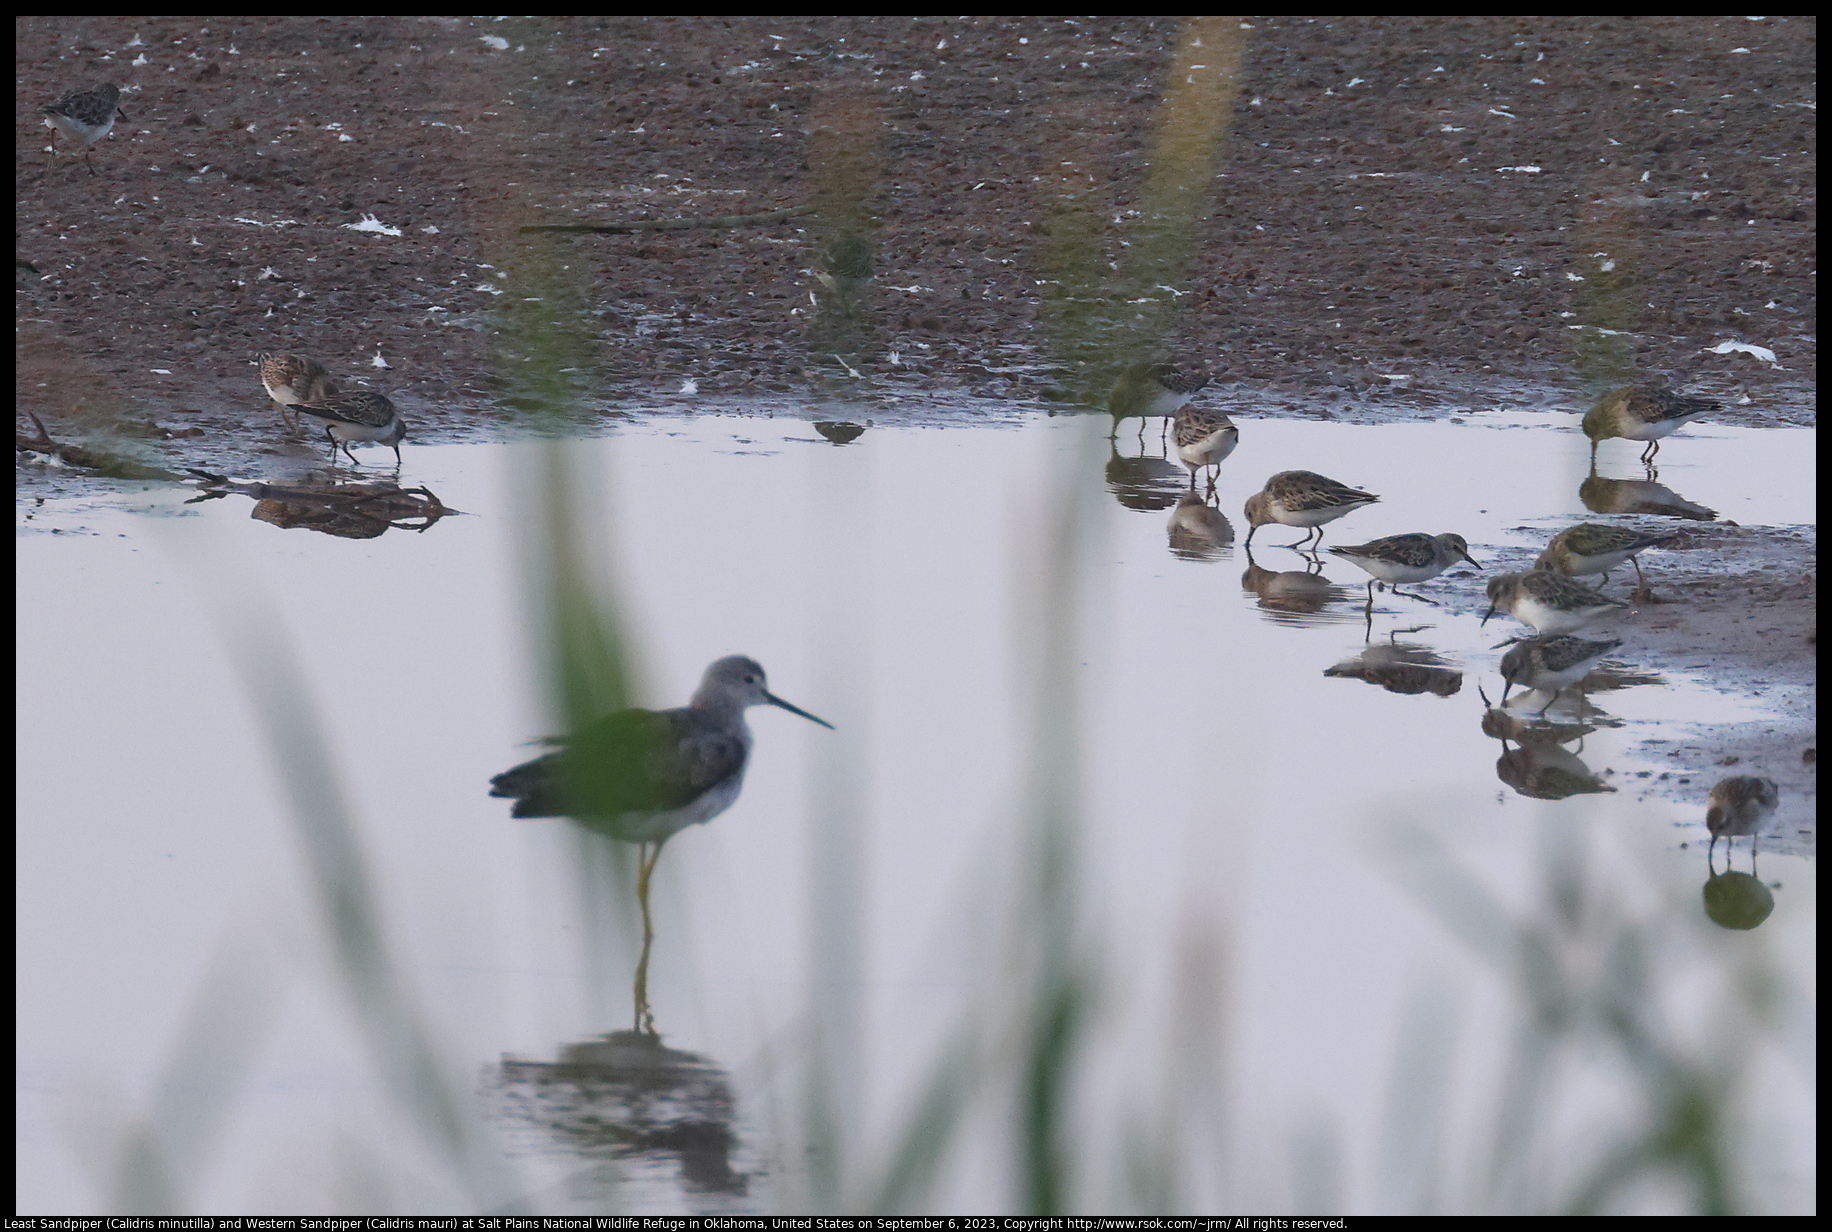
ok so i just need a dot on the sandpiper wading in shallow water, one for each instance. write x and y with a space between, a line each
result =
1591 547
291 379
1550 602
1204 438
1150 391
642 775
1741 804
1303 498
1551 663
1641 413
1404 559
359 416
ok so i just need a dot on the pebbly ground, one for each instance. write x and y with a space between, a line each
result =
1405 217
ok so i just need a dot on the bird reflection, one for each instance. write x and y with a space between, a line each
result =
1145 484
1198 530
1736 900
1539 766
627 1096
1295 592
1402 667
342 510
839 432
844 268
1602 495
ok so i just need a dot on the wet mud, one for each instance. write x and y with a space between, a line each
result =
1406 217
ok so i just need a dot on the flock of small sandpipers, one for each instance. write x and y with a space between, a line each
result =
642 775
1547 597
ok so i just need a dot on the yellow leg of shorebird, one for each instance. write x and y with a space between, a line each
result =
644 1016
645 866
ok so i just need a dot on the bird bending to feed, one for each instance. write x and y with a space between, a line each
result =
1204 438
291 379
1404 559
1553 663
357 416
1550 602
1591 547
85 115
1303 498
642 775
1149 391
1740 804
1642 413
845 265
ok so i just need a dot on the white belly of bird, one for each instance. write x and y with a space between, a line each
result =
1641 430
1307 517
654 827
1553 620
76 130
1211 450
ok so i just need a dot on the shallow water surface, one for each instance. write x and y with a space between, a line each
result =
1256 754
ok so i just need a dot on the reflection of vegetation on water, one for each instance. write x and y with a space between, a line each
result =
847 160
1112 290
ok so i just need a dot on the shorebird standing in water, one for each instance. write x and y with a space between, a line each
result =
1551 602
1740 804
1147 390
1591 547
1642 413
291 379
1404 559
1204 439
642 775
357 416
1303 498
1551 664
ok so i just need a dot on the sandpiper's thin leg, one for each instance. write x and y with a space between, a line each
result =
645 865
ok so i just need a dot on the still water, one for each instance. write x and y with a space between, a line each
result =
1253 766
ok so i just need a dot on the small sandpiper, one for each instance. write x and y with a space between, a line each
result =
1550 602
1551 663
1404 559
1591 547
1642 413
357 416
1740 804
85 115
1148 390
291 379
642 775
844 266
1303 498
1204 438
